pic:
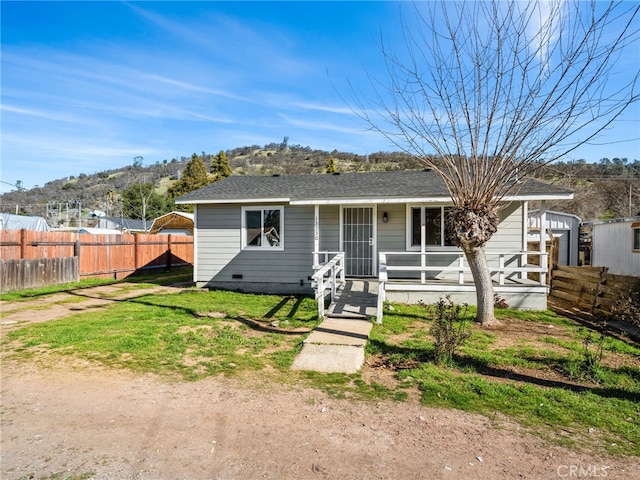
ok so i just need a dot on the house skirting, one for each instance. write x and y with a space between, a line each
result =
522 297
271 288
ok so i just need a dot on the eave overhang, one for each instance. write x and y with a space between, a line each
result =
369 200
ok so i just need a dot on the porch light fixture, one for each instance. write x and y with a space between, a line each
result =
385 217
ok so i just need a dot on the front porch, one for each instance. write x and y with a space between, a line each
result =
426 282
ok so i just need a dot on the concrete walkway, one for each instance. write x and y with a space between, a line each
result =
337 344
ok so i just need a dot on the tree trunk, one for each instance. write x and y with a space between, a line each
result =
484 285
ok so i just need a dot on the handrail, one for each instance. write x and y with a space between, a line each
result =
334 268
501 269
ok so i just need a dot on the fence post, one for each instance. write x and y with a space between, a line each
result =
23 243
136 252
76 253
601 282
169 252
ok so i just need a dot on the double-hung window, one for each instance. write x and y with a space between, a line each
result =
262 228
635 229
436 231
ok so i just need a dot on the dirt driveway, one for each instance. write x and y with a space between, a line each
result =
68 417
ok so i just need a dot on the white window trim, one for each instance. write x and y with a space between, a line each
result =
409 227
634 227
243 233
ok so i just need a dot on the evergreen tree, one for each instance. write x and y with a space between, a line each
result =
195 176
220 166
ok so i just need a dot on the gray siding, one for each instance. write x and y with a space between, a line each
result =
510 234
219 255
329 228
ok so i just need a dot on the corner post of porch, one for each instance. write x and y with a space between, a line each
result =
423 245
382 279
543 242
316 236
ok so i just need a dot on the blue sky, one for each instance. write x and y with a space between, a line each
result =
88 86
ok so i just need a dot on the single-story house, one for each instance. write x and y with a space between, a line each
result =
174 223
274 233
563 226
127 225
615 244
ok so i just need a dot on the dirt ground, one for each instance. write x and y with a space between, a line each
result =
69 417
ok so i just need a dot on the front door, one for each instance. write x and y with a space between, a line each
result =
358 241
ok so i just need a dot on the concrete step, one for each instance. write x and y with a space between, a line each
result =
335 346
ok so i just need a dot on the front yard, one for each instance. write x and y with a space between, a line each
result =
531 368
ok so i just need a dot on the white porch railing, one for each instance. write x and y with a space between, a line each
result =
327 277
459 268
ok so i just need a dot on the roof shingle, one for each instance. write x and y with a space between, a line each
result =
344 186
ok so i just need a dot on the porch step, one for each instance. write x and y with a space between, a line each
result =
353 316
355 299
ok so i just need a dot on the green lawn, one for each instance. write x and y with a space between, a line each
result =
529 370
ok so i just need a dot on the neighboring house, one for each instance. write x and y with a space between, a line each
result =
565 227
271 233
9 221
174 223
616 244
127 225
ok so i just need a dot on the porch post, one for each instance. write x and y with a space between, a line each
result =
423 243
543 242
316 235
525 241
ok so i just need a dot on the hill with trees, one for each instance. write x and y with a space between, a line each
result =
607 189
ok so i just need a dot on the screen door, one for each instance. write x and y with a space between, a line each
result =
358 241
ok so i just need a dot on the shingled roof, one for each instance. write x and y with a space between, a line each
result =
395 186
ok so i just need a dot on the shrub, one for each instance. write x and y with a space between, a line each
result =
450 329
588 366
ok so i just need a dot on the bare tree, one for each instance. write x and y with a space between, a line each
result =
485 92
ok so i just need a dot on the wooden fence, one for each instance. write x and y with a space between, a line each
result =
591 289
39 272
98 256
553 250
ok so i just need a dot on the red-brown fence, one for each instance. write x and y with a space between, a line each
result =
99 256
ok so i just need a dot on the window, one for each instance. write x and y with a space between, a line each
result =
636 236
437 234
262 228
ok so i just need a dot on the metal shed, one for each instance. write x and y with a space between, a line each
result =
564 226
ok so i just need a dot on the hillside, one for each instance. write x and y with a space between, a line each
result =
609 188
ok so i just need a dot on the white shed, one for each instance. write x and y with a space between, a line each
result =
564 226
616 244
